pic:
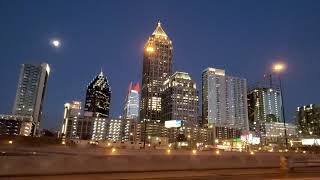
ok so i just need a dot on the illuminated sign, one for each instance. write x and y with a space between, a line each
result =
250 139
172 123
310 142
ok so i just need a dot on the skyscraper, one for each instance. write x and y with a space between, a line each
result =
224 100
213 97
179 99
157 67
98 97
308 120
131 107
31 92
264 105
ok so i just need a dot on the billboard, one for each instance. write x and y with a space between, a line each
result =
173 123
249 138
311 142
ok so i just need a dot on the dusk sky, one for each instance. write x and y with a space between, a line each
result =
241 36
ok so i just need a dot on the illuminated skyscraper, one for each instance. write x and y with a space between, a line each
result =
98 97
71 114
131 108
157 67
31 92
224 100
308 120
213 96
264 105
180 99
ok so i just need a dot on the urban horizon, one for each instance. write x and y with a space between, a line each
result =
159 90
52 117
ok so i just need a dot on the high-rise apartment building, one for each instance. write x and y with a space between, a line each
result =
264 105
131 107
71 114
179 100
224 100
236 102
98 97
157 67
213 96
31 92
308 120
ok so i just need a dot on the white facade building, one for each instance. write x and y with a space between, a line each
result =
224 99
30 92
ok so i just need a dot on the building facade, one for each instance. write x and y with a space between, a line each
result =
71 113
31 92
101 129
264 105
98 97
224 100
179 100
15 125
132 107
223 133
308 120
157 67
213 97
273 132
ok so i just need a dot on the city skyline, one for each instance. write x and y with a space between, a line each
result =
74 63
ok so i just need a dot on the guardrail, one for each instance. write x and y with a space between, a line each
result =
291 163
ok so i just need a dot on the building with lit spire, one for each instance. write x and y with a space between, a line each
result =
131 107
98 96
157 67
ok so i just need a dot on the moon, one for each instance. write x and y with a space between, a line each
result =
56 43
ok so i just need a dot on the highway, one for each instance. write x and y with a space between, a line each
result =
244 174
46 163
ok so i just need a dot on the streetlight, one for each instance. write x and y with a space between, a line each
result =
279 68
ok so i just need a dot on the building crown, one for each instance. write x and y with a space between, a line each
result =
159 31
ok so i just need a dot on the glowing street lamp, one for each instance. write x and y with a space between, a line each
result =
168 151
194 151
278 68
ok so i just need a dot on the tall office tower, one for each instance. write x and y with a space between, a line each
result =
131 107
157 67
71 114
308 120
224 100
31 92
98 97
179 100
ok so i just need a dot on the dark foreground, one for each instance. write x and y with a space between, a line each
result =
245 174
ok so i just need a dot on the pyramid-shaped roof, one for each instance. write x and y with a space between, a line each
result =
159 31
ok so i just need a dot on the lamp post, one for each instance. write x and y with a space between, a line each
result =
278 68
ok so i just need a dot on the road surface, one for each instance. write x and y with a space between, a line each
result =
238 174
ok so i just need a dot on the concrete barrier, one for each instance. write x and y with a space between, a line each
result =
59 164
